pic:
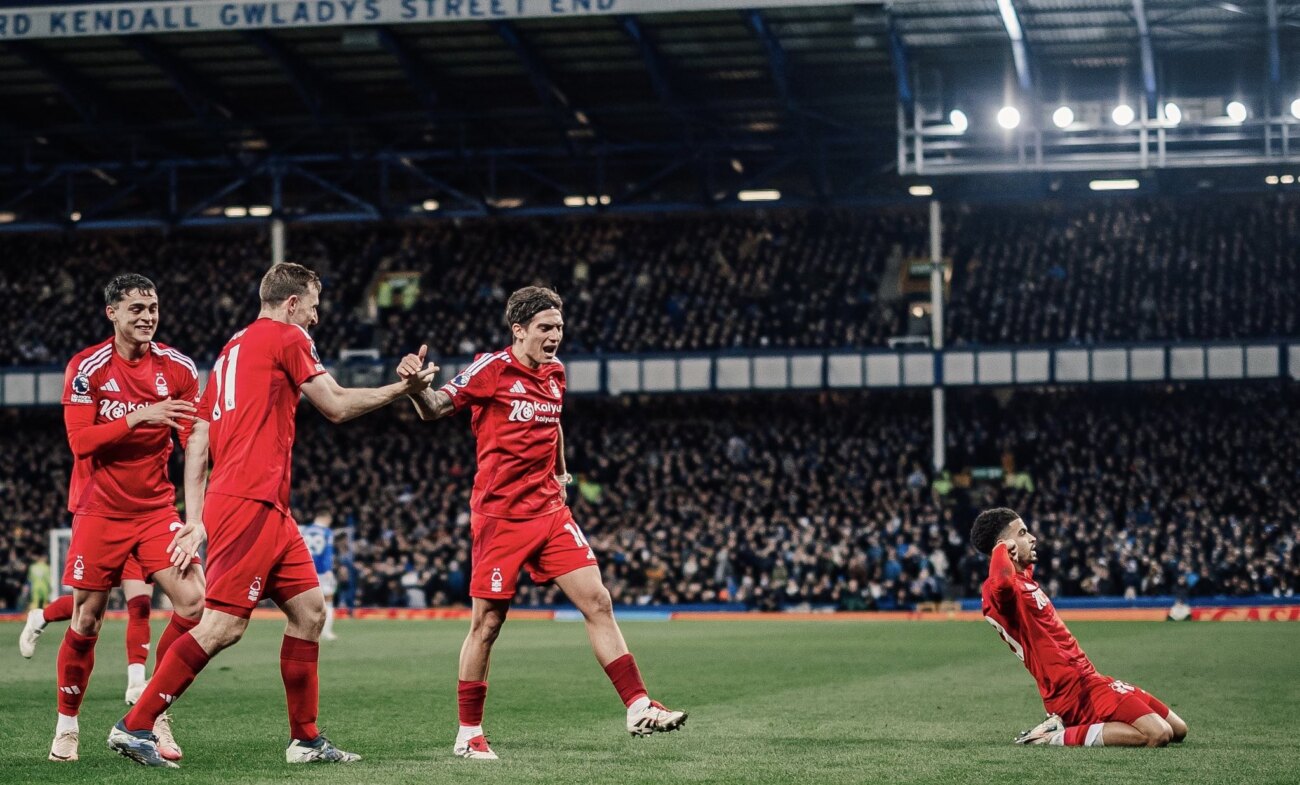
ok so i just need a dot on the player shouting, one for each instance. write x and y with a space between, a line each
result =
255 550
121 400
518 513
1085 708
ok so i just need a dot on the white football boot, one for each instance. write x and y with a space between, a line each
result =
654 718
64 747
475 749
31 631
318 750
1042 732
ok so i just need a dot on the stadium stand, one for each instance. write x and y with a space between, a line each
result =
1085 272
785 500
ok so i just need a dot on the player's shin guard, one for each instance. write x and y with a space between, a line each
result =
627 679
298 668
1079 736
137 631
75 662
471 695
171 676
178 626
59 610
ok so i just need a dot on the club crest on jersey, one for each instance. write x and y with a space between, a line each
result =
254 589
79 569
555 388
496 579
314 355
160 384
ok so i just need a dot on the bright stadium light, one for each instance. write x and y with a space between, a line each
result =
575 201
1237 112
1285 179
1063 117
75 216
959 122
1123 115
8 218
1114 185
429 205
921 190
1174 115
1295 108
1008 117
236 212
1271 179
259 210
760 195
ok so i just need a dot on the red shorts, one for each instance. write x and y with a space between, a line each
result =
549 546
1103 699
103 551
132 571
254 552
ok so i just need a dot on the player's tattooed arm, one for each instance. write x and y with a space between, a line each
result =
430 404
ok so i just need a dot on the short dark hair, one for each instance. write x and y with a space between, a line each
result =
989 526
117 288
529 301
285 280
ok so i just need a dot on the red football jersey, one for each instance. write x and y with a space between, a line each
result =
516 421
1024 617
118 472
250 401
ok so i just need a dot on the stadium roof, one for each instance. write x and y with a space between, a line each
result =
642 109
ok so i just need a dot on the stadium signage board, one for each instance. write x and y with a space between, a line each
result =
80 20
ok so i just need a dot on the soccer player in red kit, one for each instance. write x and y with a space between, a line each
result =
1085 708
138 594
254 548
122 398
518 513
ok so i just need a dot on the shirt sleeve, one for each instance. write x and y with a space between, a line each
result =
187 389
84 436
1001 570
475 384
298 357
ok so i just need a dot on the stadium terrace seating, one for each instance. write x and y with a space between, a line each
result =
780 500
1115 270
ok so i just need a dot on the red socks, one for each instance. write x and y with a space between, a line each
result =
178 626
75 662
627 679
471 695
1082 736
298 668
171 676
137 630
59 610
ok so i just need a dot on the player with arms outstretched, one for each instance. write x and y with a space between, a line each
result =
255 550
1085 708
518 513
122 399
320 544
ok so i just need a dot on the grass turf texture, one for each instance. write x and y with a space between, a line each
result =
770 702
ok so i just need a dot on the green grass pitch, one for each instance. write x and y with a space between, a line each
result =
770 702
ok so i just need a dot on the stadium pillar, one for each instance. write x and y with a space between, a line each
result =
277 241
936 333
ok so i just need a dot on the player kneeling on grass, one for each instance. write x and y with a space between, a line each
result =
1084 708
518 513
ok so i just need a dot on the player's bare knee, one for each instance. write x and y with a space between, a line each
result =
598 605
1160 735
1178 727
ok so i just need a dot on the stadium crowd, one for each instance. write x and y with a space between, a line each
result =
787 500
1125 269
